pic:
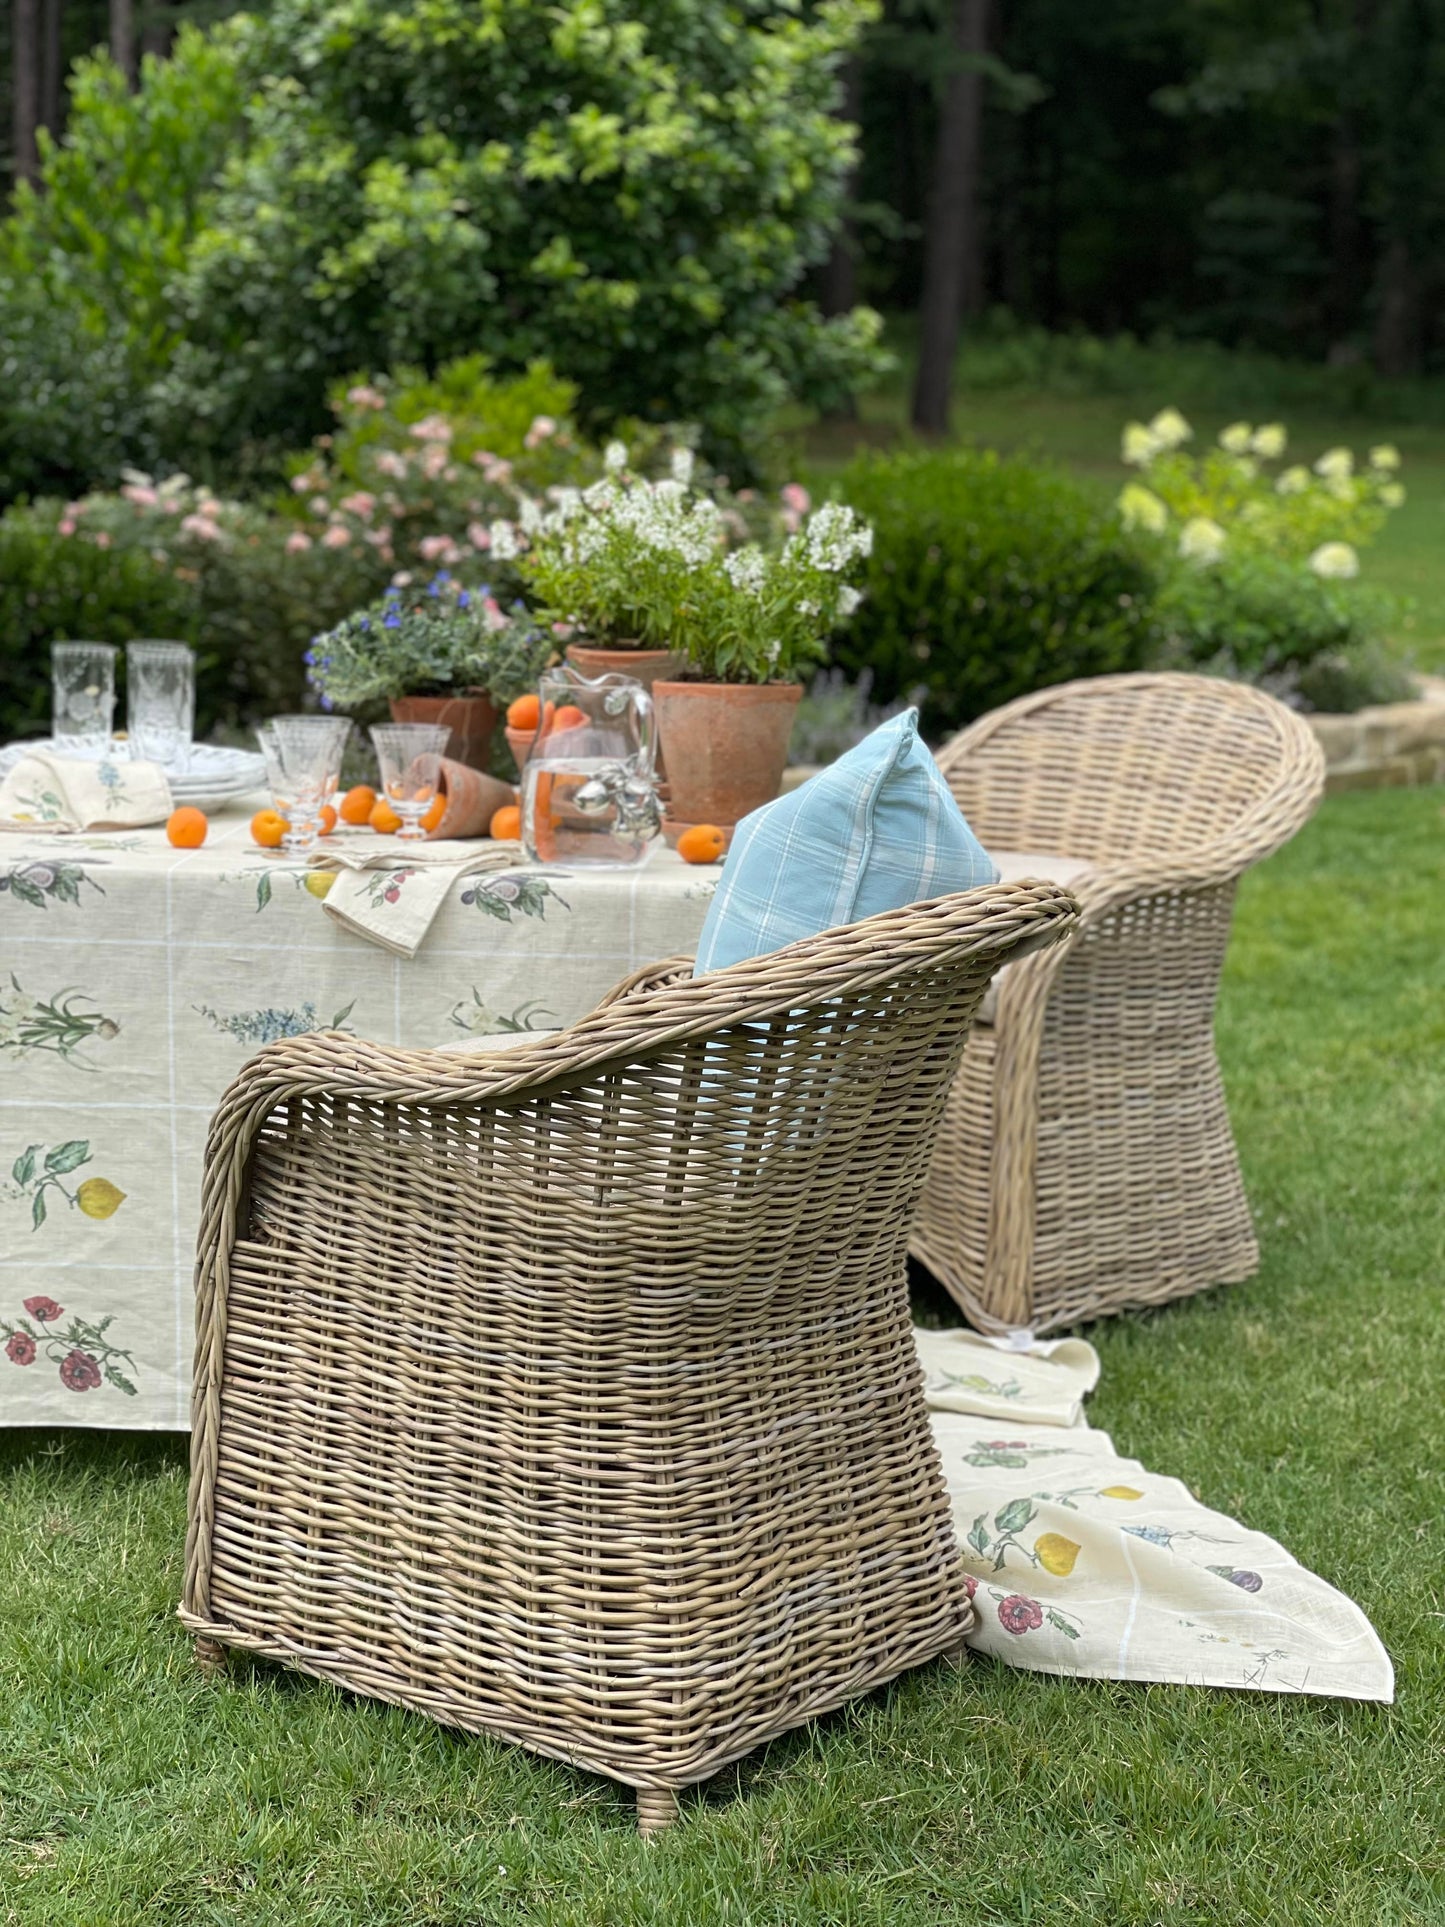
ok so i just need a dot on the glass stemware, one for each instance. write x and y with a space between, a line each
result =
160 702
303 765
83 686
410 757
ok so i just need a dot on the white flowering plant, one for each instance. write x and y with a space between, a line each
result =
658 563
428 639
1240 495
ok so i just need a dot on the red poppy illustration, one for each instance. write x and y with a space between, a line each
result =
1019 1615
970 1584
20 1348
44 1309
79 1372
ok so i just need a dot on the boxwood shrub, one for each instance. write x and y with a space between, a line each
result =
989 577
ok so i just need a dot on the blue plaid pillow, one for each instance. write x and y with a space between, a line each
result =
876 830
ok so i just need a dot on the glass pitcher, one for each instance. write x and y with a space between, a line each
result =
589 795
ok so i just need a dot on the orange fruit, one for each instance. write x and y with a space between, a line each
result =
186 827
569 717
506 825
267 828
703 843
328 819
435 814
357 804
524 713
384 818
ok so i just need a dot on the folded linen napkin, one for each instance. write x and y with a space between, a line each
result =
391 896
47 792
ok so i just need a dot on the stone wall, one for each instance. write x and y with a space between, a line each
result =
1389 747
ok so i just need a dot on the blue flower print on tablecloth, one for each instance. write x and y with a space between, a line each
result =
267 1025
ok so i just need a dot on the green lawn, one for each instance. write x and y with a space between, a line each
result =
1082 432
135 1793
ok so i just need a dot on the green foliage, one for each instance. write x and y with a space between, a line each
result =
1257 615
87 319
635 192
53 590
427 641
988 578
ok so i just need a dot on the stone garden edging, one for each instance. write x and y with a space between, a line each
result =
1389 746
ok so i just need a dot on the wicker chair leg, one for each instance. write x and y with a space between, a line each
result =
656 1809
210 1655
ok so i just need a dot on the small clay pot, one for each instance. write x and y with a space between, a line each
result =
520 742
469 714
726 746
472 800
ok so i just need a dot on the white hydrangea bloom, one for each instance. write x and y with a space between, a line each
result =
529 513
1169 428
1392 494
1336 465
1141 508
1294 481
848 600
614 457
1238 438
1336 560
1270 441
1201 539
682 462
1138 445
1385 455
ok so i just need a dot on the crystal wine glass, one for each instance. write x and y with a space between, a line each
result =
83 676
410 757
303 763
160 702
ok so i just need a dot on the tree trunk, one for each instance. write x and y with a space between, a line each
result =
838 288
25 86
157 29
122 37
1398 319
951 237
52 64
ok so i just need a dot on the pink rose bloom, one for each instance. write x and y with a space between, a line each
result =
542 427
103 540
389 462
432 548
492 614
202 527
144 498
378 538
797 498
747 495
210 506
479 535
434 463
336 538
364 396
319 505
75 508
66 525
433 428
297 542
360 504
300 483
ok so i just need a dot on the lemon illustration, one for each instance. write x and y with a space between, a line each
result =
319 882
1056 1554
99 1198
1120 1492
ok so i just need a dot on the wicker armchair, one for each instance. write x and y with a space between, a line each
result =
1086 1162
569 1393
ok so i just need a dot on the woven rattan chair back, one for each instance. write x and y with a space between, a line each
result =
1086 1163
570 1394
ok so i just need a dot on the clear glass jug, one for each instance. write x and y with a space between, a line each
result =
589 795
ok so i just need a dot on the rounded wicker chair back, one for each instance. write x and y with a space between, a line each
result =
1135 767
569 1393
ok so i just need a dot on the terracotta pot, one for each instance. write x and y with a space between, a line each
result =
647 666
726 746
472 798
469 714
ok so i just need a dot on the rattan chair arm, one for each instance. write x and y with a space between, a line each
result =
651 976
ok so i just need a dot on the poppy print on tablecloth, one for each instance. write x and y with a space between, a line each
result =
82 1354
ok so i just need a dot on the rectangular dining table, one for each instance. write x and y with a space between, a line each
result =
137 979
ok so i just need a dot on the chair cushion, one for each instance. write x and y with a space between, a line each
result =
874 831
1013 867
493 1041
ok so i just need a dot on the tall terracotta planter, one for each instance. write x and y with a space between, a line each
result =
726 746
469 714
647 666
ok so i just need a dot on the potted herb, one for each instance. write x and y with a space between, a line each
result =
437 653
745 623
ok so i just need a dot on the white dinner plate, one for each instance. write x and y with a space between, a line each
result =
214 774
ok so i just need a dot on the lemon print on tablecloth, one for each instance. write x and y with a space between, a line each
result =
319 882
99 1198
1056 1554
1120 1492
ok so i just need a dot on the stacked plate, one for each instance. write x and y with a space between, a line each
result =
213 776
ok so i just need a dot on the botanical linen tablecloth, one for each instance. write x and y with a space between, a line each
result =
136 980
